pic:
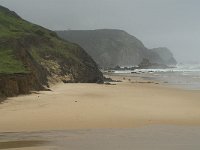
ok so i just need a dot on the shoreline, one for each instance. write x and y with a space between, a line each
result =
186 80
131 103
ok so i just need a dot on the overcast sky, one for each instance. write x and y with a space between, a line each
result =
158 23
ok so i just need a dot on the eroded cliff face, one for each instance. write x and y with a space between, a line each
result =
35 77
33 57
46 67
15 84
46 63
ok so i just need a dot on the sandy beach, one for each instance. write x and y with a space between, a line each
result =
134 113
99 75
128 104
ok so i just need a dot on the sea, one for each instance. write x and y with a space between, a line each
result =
186 76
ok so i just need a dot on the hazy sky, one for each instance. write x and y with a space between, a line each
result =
158 23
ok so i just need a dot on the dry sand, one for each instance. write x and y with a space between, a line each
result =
84 106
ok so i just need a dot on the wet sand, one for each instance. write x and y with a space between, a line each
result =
135 113
20 144
140 138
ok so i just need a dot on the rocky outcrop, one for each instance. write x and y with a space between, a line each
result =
146 64
109 47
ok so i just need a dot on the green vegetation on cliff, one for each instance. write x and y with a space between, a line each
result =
29 49
9 64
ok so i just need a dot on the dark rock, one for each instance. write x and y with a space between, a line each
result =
117 68
146 64
110 80
67 81
107 83
135 73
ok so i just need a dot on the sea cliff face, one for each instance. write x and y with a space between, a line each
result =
165 54
109 47
15 84
32 57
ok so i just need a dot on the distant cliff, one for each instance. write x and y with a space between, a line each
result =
31 57
165 54
109 47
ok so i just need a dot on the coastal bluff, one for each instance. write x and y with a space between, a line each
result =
33 58
113 47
